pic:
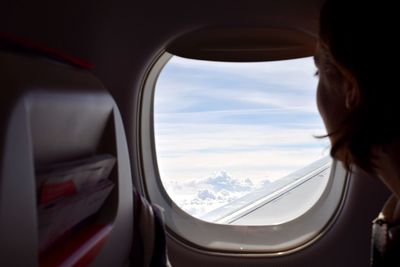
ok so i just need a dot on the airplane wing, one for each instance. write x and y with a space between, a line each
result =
277 201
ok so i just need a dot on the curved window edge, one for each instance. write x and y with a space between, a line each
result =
269 240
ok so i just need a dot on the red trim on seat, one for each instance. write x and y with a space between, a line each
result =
46 51
77 250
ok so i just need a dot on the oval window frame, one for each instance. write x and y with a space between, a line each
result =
267 240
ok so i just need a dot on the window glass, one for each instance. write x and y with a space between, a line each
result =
236 142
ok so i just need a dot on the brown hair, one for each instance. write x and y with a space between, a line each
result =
362 45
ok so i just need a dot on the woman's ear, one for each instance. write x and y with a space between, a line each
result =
352 93
351 98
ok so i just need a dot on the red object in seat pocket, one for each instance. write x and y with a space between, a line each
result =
51 192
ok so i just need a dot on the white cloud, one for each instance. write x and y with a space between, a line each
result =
283 101
203 195
287 72
263 79
187 151
186 137
270 164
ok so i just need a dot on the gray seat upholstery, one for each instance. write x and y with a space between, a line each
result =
52 112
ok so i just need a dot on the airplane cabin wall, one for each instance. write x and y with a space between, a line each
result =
123 39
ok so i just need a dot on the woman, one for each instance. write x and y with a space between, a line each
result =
359 102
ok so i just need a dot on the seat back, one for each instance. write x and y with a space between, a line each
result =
52 113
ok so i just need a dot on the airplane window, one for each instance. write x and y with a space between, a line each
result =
236 142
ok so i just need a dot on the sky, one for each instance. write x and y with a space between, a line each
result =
251 120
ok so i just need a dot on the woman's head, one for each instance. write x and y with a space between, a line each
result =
356 95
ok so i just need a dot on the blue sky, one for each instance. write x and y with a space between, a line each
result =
253 120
